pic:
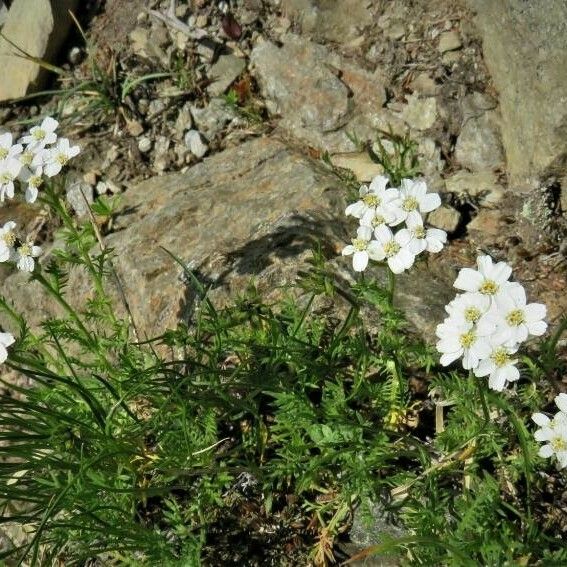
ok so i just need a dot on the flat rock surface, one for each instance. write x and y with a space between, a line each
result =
250 213
38 28
320 96
524 48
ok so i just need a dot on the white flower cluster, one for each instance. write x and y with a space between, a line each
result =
487 323
553 432
382 208
14 250
39 153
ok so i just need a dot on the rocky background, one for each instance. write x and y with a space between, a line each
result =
218 155
213 122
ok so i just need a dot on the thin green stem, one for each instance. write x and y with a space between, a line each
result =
552 344
391 286
482 396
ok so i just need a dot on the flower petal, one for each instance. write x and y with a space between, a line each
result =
535 312
360 261
561 402
449 357
540 419
468 280
497 381
429 202
545 451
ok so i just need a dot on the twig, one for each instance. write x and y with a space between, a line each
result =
175 23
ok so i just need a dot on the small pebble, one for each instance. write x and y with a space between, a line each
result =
144 144
194 141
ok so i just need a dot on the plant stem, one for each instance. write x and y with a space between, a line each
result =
552 345
482 396
391 286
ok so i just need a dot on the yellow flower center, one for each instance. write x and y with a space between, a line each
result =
410 204
391 248
25 250
62 158
38 134
377 221
472 314
489 287
9 238
3 153
467 339
6 177
500 357
558 444
419 232
359 244
35 181
371 200
516 318
26 158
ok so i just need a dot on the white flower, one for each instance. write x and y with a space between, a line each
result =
375 199
59 156
34 180
553 432
514 319
6 339
468 307
459 338
414 197
7 241
7 149
42 135
431 239
25 255
9 170
362 248
490 279
394 248
499 367
374 221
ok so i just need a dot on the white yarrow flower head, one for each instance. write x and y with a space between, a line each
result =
430 239
499 367
516 319
468 308
362 249
25 255
394 248
415 198
458 339
42 135
59 156
8 150
7 241
9 170
553 432
6 339
490 279
374 199
34 180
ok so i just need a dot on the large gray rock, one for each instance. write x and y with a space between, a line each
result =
482 187
320 96
479 146
224 72
252 212
300 86
37 27
525 46
329 20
